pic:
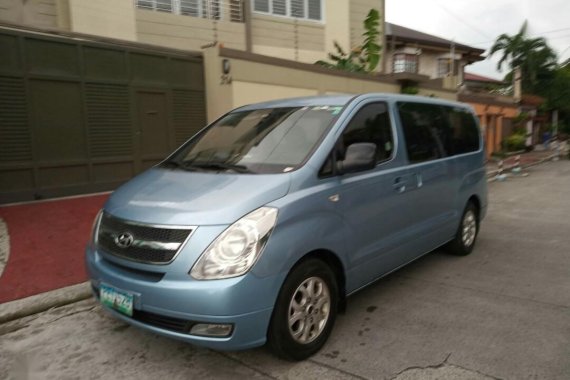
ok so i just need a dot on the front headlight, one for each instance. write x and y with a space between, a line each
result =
234 252
95 227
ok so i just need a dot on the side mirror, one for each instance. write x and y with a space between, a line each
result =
358 157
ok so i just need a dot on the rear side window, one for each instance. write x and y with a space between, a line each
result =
371 124
464 132
433 131
425 130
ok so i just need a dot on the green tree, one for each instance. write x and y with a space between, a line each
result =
370 48
557 92
353 61
364 58
535 58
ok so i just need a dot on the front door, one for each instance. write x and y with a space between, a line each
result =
374 204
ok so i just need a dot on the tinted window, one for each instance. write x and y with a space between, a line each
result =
425 130
371 124
463 129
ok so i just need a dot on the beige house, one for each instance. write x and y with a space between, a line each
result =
299 30
416 58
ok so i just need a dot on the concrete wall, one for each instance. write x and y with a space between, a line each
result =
438 93
309 41
106 18
37 13
337 25
247 92
185 32
254 79
428 64
286 38
357 14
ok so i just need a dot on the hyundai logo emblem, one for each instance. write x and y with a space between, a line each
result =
124 240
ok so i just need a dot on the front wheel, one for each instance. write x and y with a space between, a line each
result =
305 311
464 240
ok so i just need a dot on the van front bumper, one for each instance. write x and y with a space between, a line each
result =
171 307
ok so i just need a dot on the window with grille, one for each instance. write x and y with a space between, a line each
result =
405 63
444 67
231 10
301 9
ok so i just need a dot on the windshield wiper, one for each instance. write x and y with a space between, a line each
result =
171 164
216 166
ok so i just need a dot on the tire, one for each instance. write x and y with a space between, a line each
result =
467 232
316 312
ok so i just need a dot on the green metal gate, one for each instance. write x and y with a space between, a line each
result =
81 116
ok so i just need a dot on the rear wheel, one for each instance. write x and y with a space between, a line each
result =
305 311
466 235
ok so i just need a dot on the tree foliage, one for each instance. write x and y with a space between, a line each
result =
541 74
353 61
364 58
370 48
533 56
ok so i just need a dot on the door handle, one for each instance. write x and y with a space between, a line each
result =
400 185
419 180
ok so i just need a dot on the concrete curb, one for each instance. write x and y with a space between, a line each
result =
4 245
24 307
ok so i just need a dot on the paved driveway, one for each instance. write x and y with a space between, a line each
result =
503 312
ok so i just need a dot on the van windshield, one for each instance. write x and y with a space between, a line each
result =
269 140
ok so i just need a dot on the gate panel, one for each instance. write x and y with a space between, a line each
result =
187 114
152 128
14 131
57 122
108 120
80 116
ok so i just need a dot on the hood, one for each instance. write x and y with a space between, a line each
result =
164 196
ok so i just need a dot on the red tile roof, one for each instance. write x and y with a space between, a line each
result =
480 78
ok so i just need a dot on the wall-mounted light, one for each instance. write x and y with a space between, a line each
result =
226 67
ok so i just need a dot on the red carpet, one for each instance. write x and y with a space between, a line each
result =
47 245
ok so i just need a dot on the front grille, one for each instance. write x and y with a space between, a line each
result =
139 242
164 322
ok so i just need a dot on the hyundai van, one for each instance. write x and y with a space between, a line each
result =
258 228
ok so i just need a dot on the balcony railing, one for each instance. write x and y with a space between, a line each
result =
226 10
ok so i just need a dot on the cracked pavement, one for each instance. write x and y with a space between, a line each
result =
501 313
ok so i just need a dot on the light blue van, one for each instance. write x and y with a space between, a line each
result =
258 228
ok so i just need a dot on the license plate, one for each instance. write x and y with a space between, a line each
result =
117 299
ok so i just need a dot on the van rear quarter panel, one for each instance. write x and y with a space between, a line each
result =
472 176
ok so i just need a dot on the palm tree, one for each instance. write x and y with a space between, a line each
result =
533 55
540 65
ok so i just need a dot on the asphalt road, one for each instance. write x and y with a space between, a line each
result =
503 312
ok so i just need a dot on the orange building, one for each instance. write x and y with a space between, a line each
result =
495 112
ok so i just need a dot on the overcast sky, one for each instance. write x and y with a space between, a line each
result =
478 23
